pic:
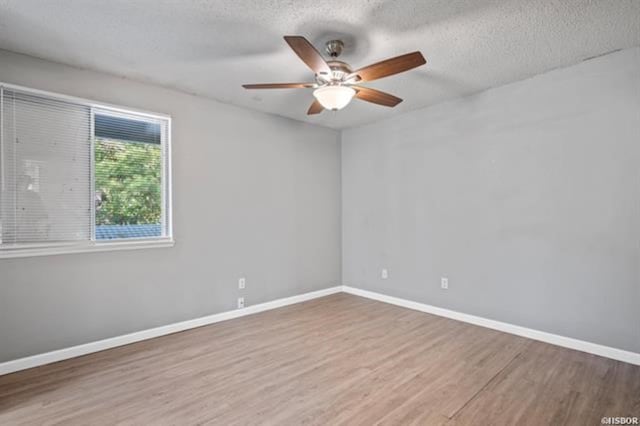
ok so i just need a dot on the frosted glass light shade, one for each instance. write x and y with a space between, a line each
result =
334 97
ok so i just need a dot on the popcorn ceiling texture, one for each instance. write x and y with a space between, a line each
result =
210 48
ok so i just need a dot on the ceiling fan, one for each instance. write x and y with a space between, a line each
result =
336 83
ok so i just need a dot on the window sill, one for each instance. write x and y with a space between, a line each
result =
73 248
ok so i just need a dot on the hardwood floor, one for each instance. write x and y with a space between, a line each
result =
336 360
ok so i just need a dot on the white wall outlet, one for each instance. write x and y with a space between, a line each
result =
384 274
444 283
240 302
242 282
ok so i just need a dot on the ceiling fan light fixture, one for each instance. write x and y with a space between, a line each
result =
334 97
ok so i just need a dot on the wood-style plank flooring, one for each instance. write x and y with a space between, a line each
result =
336 360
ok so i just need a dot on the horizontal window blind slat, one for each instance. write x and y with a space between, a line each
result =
118 128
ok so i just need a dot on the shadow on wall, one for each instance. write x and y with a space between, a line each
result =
445 83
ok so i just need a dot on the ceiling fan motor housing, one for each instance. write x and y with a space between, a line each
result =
339 71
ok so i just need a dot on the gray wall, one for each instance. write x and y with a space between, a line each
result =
255 195
527 197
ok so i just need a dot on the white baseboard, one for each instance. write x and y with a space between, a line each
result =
100 345
554 339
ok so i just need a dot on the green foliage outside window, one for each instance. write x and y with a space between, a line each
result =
128 183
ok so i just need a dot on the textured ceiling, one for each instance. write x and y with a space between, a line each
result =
211 47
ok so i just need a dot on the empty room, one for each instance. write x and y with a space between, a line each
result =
367 212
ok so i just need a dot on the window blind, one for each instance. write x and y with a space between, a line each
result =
78 176
45 169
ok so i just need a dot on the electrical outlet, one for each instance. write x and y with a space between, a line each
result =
240 302
384 274
444 283
242 283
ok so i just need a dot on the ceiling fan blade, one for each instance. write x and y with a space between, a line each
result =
389 67
308 54
280 86
315 108
376 96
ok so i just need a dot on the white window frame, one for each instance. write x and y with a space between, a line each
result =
93 245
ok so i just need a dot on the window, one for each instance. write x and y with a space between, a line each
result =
78 176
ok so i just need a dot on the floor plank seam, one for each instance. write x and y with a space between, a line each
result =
475 395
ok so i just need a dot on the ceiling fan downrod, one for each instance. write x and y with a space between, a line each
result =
334 48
